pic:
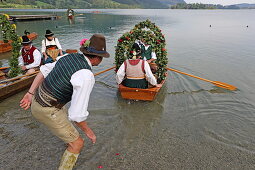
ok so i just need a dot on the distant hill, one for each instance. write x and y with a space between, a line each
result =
91 3
246 6
171 2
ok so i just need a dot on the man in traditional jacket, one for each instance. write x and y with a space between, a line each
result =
147 52
68 79
30 58
51 47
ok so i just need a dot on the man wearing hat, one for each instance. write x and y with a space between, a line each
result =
51 47
30 58
68 79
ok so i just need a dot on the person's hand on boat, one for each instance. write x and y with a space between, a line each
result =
158 85
23 68
26 101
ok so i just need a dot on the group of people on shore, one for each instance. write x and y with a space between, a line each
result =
31 58
70 79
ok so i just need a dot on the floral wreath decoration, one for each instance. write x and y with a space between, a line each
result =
153 36
9 33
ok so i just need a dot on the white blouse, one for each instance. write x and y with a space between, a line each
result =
149 76
56 42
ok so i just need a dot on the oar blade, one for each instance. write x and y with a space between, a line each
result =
224 85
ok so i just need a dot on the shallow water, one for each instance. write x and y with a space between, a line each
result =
191 124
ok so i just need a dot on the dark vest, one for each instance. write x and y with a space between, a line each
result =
146 53
57 84
28 56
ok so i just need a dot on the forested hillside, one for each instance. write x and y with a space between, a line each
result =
90 3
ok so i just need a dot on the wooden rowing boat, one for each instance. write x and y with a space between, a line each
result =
17 84
5 47
11 86
139 94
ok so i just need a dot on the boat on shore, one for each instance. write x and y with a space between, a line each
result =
11 86
6 47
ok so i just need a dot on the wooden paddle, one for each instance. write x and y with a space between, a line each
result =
19 77
216 83
104 71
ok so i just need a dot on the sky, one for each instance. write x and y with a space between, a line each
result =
222 2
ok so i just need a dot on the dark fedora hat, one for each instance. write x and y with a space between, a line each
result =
25 40
48 33
96 46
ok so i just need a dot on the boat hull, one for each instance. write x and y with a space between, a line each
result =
16 86
139 94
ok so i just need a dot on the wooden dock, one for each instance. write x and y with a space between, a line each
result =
32 17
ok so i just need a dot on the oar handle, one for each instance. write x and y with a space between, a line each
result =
104 71
171 69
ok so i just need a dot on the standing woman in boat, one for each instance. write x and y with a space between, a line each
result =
51 47
135 72
30 58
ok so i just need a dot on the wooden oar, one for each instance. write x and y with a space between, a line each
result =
3 68
104 71
216 83
19 77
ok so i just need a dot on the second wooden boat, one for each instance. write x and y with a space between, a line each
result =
5 47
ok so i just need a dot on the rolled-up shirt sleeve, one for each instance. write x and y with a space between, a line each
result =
43 46
46 68
120 74
83 82
150 77
58 44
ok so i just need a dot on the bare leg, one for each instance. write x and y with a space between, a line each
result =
71 154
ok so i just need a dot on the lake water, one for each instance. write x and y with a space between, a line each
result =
191 125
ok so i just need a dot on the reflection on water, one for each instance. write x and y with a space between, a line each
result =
190 125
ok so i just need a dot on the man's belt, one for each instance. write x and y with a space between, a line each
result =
45 100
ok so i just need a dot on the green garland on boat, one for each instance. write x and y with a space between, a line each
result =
9 33
153 36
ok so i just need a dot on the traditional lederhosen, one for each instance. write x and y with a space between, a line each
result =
52 50
57 90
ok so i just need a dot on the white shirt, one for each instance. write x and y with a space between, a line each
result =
82 82
37 60
148 74
56 42
153 54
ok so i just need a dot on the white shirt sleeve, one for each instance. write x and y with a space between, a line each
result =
120 74
37 60
150 77
58 44
43 46
153 55
83 82
21 61
46 68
